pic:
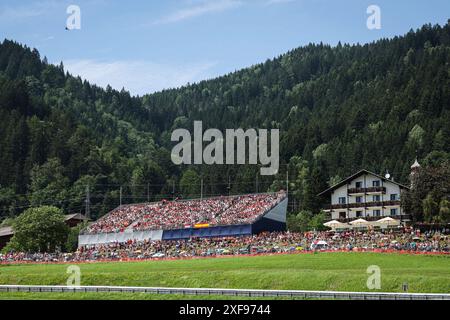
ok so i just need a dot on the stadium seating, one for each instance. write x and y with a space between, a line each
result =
186 213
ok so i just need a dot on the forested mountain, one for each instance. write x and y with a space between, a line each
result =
375 106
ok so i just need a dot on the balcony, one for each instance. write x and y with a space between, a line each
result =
391 203
367 190
364 204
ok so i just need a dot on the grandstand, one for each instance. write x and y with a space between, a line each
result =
183 219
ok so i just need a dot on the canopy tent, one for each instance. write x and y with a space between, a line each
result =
318 245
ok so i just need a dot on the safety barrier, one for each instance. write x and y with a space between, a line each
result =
234 292
219 231
92 239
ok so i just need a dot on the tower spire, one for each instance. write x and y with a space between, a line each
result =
414 169
415 165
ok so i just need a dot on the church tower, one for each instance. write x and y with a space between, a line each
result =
415 168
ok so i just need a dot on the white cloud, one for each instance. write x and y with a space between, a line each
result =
27 11
139 77
199 9
272 2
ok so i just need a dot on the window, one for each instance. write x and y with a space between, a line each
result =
358 214
394 197
376 213
394 212
358 184
376 198
376 183
341 200
342 215
359 199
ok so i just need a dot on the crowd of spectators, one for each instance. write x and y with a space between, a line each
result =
186 213
265 243
180 214
118 220
246 209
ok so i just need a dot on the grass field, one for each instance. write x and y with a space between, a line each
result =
113 296
322 271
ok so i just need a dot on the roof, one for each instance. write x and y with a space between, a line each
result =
76 216
6 231
416 164
357 174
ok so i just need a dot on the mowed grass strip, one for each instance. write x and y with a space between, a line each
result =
321 271
119 296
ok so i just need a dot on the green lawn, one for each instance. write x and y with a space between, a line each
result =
322 271
113 296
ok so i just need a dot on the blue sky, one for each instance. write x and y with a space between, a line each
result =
146 46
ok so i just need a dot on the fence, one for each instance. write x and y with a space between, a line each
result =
234 292
91 239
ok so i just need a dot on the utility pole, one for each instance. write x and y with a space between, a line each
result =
256 183
229 185
120 200
287 182
201 190
88 202
173 190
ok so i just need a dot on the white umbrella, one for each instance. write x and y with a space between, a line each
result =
388 221
332 224
360 223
